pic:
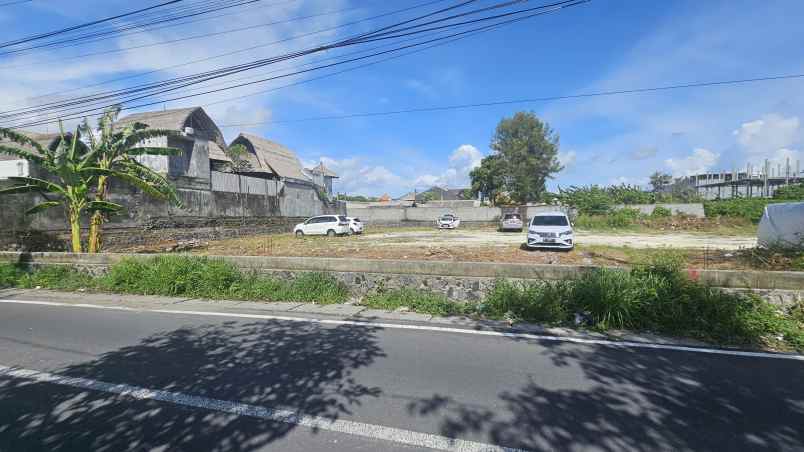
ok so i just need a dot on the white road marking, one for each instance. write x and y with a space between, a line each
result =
380 432
529 336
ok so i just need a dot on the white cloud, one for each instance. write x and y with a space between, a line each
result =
358 177
567 159
643 153
768 134
461 162
699 161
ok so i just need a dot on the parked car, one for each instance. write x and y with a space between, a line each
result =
511 222
551 230
355 225
448 221
329 225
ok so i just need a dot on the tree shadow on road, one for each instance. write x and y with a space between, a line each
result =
634 399
304 367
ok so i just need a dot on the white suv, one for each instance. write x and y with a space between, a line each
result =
329 225
551 230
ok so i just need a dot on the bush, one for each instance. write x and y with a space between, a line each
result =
750 208
56 277
415 300
661 212
790 192
9 274
215 278
532 302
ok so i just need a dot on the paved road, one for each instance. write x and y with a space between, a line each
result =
426 385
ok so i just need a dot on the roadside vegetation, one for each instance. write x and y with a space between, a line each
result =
656 297
196 277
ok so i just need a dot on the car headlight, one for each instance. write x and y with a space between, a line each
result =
565 233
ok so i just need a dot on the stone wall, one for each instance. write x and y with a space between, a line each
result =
462 281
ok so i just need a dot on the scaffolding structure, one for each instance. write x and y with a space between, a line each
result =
752 182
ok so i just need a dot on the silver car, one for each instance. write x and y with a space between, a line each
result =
511 222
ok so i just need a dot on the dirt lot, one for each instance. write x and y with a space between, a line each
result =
485 245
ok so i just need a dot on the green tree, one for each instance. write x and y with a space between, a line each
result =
72 166
659 181
489 177
528 149
115 150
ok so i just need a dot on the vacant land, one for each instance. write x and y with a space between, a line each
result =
485 244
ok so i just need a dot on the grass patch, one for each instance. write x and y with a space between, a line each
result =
424 302
181 276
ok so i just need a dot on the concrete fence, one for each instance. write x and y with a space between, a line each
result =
458 280
694 209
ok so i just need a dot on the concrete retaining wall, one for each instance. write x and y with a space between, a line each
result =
458 280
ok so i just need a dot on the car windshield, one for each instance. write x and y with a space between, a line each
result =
512 216
357 220
447 218
550 220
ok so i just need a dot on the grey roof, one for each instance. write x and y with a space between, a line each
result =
273 156
44 140
323 170
180 118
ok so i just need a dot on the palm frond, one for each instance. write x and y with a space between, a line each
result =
153 179
21 153
43 185
22 139
104 206
42 207
20 189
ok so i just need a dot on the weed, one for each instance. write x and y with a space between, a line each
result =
56 277
533 302
9 274
661 212
415 300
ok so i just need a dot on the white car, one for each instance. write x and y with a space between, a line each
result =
448 221
511 222
329 225
551 230
355 225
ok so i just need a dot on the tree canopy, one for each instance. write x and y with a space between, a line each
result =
525 156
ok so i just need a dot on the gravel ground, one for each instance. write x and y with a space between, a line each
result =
484 238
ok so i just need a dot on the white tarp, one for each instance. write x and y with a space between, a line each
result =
782 225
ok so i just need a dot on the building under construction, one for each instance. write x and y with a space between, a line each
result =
751 182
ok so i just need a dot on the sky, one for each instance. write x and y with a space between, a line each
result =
603 45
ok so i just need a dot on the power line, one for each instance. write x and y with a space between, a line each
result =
15 2
104 34
366 37
229 53
527 101
84 25
186 38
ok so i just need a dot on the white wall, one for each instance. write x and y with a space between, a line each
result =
13 168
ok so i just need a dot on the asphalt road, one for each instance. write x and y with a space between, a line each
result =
492 390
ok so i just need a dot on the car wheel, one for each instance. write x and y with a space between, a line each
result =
331 233
299 233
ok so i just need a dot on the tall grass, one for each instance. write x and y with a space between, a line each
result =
194 277
416 300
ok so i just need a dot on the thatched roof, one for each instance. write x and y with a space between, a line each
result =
323 170
44 139
180 118
272 156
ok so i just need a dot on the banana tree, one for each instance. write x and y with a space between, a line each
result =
72 167
116 149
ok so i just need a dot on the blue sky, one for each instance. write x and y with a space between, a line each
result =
603 45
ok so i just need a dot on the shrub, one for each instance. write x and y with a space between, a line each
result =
56 277
661 212
317 287
790 192
533 302
415 300
9 274
750 208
